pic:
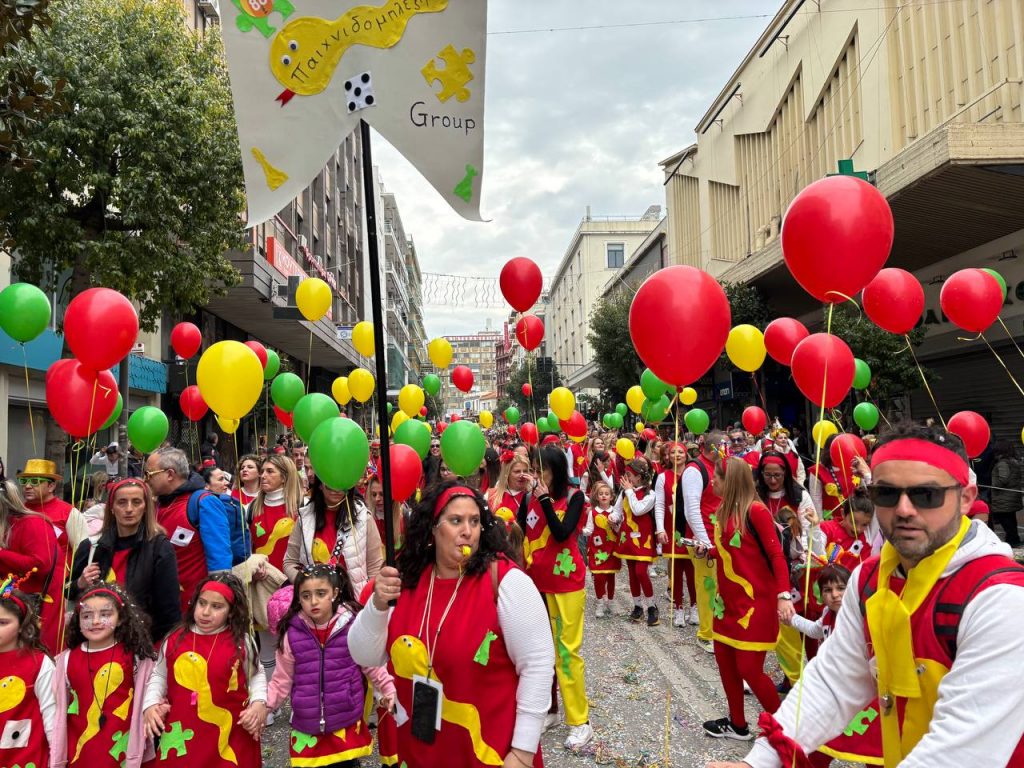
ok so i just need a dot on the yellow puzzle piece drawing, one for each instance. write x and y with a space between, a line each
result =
305 53
454 76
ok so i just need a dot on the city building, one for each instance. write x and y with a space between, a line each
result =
394 253
596 253
477 352
648 257
418 360
924 100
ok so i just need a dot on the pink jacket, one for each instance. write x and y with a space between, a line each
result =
140 748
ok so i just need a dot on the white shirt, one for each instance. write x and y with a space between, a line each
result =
693 489
111 467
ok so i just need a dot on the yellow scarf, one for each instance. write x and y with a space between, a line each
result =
888 616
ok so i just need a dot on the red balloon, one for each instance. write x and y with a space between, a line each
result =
649 434
186 340
455 417
575 425
423 411
441 426
527 390
680 292
781 337
260 350
528 431
192 403
79 398
406 471
530 332
894 300
836 235
754 420
972 428
823 369
100 326
511 429
285 417
462 378
521 283
842 452
971 299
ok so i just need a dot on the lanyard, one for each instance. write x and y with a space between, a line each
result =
425 623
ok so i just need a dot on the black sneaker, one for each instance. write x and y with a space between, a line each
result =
652 616
724 729
637 615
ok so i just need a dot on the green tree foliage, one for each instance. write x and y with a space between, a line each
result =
747 304
618 365
543 373
138 183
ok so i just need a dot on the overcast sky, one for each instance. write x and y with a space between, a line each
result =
573 118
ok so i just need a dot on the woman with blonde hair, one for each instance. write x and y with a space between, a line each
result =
514 480
753 595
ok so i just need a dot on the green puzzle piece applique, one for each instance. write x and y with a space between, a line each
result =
861 721
713 518
816 591
464 188
718 607
260 530
601 557
175 738
735 540
483 653
73 706
120 748
564 564
302 741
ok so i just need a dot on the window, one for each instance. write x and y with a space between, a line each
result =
616 253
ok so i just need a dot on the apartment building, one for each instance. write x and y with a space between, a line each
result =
477 352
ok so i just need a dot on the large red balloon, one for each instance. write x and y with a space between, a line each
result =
284 417
441 426
186 340
455 417
80 399
521 283
754 420
972 428
781 337
100 326
462 378
575 425
649 434
842 452
528 432
691 296
971 299
836 235
192 403
823 369
527 390
530 332
894 300
260 350
406 471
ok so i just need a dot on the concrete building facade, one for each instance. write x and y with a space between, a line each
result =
476 351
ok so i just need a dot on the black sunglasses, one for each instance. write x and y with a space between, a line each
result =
921 496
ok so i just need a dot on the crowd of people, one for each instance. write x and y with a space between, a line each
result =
172 619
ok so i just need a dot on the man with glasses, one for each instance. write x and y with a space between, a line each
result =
740 447
941 604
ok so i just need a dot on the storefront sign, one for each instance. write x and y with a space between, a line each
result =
282 261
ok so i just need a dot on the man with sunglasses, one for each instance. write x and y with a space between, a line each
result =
941 604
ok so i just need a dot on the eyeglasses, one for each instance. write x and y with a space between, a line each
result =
921 496
34 480
739 440
435 445
150 473
773 475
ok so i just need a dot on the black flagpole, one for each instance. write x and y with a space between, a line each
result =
369 197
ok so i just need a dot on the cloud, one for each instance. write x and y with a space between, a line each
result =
573 118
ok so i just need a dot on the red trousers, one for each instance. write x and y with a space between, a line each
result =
639 579
604 585
735 666
683 568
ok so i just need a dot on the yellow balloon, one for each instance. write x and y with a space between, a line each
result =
823 430
313 298
688 396
639 426
563 402
228 425
230 379
362 339
410 400
625 448
399 418
340 390
360 384
486 419
635 398
578 439
440 352
745 347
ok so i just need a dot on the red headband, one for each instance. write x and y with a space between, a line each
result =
778 461
134 482
507 456
103 592
221 589
446 497
915 449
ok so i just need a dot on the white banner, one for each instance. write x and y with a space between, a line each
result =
304 72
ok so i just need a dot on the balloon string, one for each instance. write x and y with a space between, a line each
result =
309 359
1002 363
28 399
672 575
759 391
924 380
867 394
1010 337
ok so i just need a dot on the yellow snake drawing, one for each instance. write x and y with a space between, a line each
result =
409 657
190 672
630 520
107 680
12 693
282 530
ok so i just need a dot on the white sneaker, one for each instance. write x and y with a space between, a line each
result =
599 611
579 736
653 572
706 645
746 689
270 719
608 607
550 720
692 616
679 618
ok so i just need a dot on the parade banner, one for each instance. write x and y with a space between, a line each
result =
305 72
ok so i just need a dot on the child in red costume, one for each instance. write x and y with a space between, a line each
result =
634 511
603 538
853 530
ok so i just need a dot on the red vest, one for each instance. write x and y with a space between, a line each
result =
602 544
829 480
506 507
188 547
22 739
270 532
51 618
478 713
242 496
708 500
855 550
578 451
555 566
101 692
636 536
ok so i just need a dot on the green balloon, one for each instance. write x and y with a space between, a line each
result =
24 311
414 434
116 414
286 390
655 410
697 420
542 425
861 374
339 452
147 428
462 447
997 276
616 420
652 386
621 409
311 411
606 420
273 365
866 416
390 407
431 384
512 415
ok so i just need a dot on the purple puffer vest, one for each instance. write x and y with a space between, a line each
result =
318 668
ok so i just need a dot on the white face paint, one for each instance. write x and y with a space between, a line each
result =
98 617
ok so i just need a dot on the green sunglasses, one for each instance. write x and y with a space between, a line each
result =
34 480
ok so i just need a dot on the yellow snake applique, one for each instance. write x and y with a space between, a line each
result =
409 657
735 578
190 672
282 530
106 682
12 693
305 53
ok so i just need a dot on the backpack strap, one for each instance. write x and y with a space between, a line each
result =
704 478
